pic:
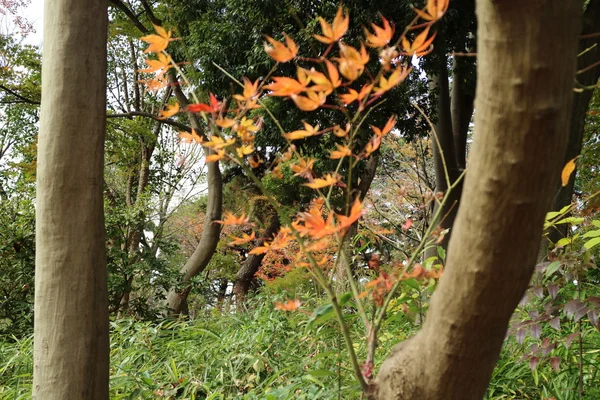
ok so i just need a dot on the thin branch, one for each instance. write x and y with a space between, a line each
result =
134 19
150 13
154 117
17 95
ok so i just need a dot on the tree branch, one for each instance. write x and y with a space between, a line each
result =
154 117
134 19
17 95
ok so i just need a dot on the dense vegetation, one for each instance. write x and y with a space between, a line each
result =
290 265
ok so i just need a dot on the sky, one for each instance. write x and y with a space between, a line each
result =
35 14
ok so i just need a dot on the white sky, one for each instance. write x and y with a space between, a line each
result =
35 14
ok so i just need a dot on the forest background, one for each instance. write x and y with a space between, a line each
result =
200 309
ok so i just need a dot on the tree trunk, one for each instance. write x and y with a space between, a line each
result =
590 54
210 235
449 144
523 101
250 266
71 344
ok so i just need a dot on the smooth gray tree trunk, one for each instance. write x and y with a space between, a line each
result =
71 344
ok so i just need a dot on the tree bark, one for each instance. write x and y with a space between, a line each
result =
449 144
250 266
71 344
199 260
590 54
521 125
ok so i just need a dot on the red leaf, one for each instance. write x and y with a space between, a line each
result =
553 290
555 323
536 331
521 335
199 107
533 362
406 226
593 316
555 363
570 338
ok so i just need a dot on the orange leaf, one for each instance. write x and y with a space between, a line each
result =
319 183
303 168
341 152
162 64
421 45
302 133
171 110
435 10
311 102
158 42
190 137
386 129
381 36
244 150
231 219
567 171
333 33
280 52
216 156
355 213
283 86
243 240
250 91
385 84
290 305
255 161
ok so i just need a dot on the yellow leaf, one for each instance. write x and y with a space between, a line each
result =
171 110
567 171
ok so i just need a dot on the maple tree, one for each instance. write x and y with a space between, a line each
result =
233 134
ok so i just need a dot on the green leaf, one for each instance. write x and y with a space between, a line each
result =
590 234
441 253
554 214
591 243
320 315
319 373
552 268
135 394
570 220
563 242
412 283
345 298
596 223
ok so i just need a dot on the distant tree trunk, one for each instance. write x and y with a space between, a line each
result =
251 265
523 101
454 112
71 345
590 54
222 293
176 299
345 262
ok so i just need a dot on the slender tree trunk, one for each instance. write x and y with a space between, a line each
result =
449 144
589 48
344 262
199 260
523 101
250 266
71 345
